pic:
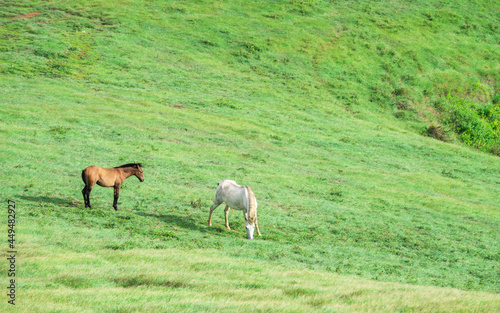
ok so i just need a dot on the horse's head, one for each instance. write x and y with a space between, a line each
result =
139 174
250 227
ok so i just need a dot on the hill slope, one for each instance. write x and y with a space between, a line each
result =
319 106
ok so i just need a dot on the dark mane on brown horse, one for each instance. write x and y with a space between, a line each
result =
129 165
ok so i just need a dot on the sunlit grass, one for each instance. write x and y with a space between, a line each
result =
318 106
206 280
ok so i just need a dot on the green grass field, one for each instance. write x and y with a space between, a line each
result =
331 111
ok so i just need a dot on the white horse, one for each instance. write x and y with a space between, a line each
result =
238 198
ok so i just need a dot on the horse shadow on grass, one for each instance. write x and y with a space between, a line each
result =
52 200
187 222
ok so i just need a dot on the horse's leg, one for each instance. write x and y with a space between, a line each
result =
89 189
257 226
84 193
117 194
212 208
226 213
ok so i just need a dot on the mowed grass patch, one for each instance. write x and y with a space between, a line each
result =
204 279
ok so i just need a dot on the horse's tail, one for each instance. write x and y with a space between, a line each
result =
84 178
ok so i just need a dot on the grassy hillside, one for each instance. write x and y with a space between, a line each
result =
330 110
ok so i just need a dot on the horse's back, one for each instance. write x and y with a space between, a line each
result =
227 184
234 195
90 169
102 176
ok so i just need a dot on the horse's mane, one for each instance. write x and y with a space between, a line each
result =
129 165
252 209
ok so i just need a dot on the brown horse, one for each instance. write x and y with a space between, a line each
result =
108 177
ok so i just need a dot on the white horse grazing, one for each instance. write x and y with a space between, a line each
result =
238 198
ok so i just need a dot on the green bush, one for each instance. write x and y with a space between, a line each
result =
477 125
